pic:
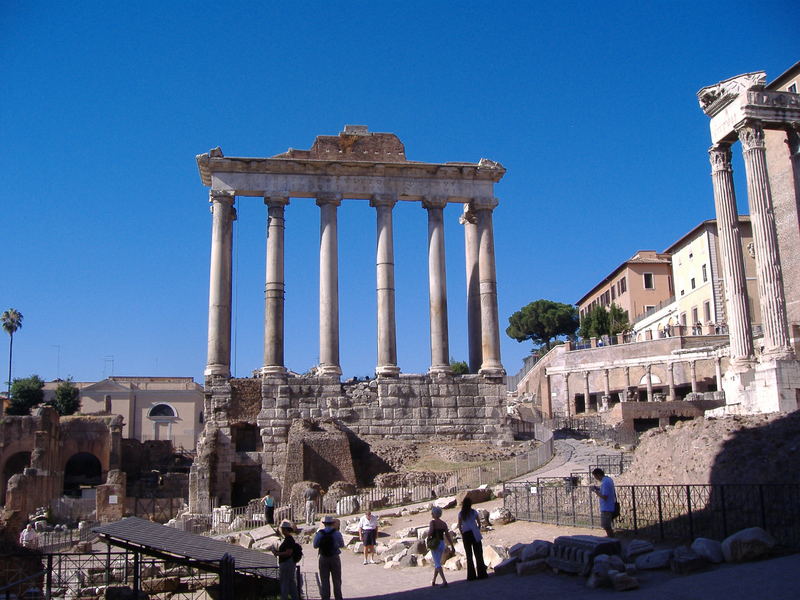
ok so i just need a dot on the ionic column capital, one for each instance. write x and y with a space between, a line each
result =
720 156
223 196
485 203
329 198
383 200
434 202
276 201
751 134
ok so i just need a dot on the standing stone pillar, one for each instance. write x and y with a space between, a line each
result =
220 280
275 288
718 372
671 375
384 261
490 326
328 286
471 250
568 402
648 369
765 242
624 396
606 383
437 285
586 391
693 375
547 399
730 242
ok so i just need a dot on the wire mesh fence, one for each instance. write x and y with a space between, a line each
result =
663 511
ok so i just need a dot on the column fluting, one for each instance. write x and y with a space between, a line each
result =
471 250
732 258
384 261
220 284
765 242
275 287
328 286
437 285
490 326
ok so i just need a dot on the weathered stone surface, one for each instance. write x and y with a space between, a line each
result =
530 567
685 561
536 549
456 563
747 544
500 516
476 495
516 549
623 582
658 559
636 548
710 549
494 554
409 560
507 566
444 503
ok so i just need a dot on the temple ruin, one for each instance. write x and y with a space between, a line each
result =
243 449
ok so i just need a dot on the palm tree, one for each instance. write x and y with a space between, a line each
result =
12 320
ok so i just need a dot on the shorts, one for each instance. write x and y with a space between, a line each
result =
606 519
369 537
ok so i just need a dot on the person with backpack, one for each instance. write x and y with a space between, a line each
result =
289 553
328 541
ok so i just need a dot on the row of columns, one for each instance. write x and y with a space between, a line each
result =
482 312
648 372
765 241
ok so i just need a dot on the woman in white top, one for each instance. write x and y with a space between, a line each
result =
469 526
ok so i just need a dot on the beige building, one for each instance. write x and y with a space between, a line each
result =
637 285
153 408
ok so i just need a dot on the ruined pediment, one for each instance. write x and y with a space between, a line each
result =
355 143
714 98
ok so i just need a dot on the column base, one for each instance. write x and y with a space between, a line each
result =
273 371
217 371
329 370
387 371
492 370
776 354
440 370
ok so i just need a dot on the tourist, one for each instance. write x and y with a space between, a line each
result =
29 538
311 495
328 541
368 531
438 534
269 508
470 528
286 563
608 499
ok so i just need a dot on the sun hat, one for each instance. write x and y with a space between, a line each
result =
328 520
285 524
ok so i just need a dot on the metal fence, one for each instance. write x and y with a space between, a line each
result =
592 426
664 511
613 464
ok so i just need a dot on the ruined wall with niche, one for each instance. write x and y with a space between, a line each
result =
317 451
410 407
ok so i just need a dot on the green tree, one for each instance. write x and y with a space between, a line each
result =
12 320
617 319
459 367
600 321
542 322
67 398
25 394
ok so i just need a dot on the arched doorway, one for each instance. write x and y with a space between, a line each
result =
16 463
82 469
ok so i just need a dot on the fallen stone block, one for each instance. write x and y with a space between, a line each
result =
516 549
685 560
506 567
454 564
530 567
476 495
494 555
536 549
636 548
747 544
658 559
500 516
623 582
409 560
446 502
710 549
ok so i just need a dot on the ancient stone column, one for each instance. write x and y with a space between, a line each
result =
765 242
671 375
730 244
568 402
693 375
606 383
437 285
470 222
384 269
328 286
220 279
274 290
718 372
586 391
648 369
547 401
490 326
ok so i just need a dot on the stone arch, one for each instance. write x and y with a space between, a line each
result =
162 409
15 463
82 469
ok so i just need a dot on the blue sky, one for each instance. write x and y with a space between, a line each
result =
590 106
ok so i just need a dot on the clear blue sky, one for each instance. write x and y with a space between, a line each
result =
589 105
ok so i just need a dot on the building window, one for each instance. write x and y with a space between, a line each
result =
613 292
683 319
623 286
707 311
793 88
648 307
162 410
705 274
692 283
695 318
681 292
669 282
649 283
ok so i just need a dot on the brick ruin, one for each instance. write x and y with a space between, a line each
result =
268 433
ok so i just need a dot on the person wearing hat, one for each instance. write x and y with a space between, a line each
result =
328 541
286 565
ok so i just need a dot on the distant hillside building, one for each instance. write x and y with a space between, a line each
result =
153 408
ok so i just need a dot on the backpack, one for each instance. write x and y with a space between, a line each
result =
297 553
327 545
615 514
434 540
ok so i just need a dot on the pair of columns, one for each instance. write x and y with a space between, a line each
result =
480 262
765 241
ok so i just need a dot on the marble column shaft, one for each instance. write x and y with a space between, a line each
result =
566 393
731 256
718 372
765 242
606 383
384 273
437 285
490 326
671 375
471 250
328 286
693 375
220 284
586 392
648 369
275 288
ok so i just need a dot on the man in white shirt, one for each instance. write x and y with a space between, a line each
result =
368 531
29 538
